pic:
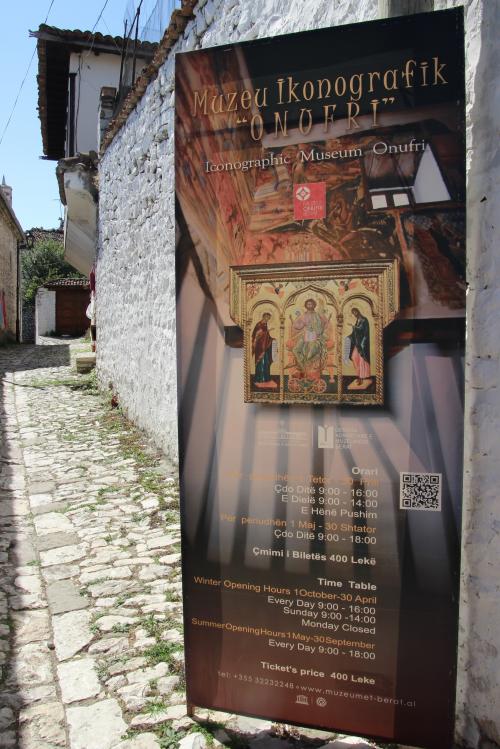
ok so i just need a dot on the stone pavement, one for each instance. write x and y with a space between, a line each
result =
90 584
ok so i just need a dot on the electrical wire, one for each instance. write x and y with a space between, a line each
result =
81 60
95 26
112 36
87 54
23 82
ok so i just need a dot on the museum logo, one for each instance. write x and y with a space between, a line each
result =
309 201
325 437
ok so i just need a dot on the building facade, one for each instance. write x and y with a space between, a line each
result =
136 288
61 307
11 236
79 75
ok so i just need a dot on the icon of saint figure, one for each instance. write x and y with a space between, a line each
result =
262 351
309 332
359 352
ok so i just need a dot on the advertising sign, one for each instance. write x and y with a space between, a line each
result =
320 338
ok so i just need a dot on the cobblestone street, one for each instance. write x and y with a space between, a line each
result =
90 608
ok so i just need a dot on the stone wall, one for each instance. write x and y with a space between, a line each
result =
135 269
479 696
8 274
28 324
136 294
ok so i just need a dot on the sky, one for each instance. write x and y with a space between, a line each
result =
35 194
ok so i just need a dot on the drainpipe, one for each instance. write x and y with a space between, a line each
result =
72 114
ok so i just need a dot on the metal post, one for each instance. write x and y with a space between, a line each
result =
137 15
124 47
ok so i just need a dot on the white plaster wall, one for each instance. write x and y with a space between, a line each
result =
45 312
93 72
136 302
478 706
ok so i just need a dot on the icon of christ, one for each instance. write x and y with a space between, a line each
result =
309 345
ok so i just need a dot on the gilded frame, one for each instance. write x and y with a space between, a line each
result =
312 367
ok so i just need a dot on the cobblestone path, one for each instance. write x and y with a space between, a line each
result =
90 587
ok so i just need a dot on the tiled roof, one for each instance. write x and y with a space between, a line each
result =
54 47
82 283
40 235
96 40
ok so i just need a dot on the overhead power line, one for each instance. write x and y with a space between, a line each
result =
9 119
22 82
95 26
100 15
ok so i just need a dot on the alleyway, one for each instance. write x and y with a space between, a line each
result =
90 599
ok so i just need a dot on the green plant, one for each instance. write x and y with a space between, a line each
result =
69 437
102 672
152 482
155 706
162 652
152 626
93 623
168 737
121 628
44 262
205 731
171 516
209 727
109 490
85 383
121 599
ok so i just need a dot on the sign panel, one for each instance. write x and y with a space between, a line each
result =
320 336
309 200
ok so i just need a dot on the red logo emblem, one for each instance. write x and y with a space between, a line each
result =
309 200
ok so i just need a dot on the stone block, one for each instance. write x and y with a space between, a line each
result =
42 726
78 680
71 633
30 626
96 726
85 362
64 596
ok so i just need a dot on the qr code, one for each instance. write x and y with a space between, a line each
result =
420 491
